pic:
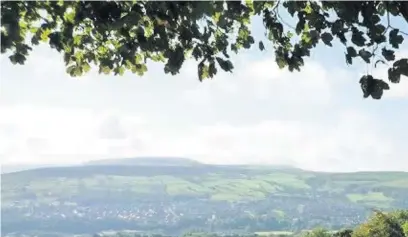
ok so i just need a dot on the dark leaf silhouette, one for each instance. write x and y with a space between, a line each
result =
373 87
120 36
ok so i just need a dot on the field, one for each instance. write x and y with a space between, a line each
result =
215 183
173 199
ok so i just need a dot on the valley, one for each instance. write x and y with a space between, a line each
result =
171 198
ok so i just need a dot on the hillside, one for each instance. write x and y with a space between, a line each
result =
172 199
152 161
21 167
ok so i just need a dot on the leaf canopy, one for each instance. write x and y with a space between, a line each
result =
119 36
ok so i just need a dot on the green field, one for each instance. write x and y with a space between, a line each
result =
232 184
173 199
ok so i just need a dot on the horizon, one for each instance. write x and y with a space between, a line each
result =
90 163
142 157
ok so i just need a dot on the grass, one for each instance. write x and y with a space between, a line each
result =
279 214
225 185
374 199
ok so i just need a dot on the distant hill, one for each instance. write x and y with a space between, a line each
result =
156 195
146 161
22 167
138 161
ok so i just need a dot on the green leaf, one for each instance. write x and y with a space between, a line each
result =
402 63
226 65
314 35
120 70
349 59
308 9
261 46
301 26
327 38
351 51
281 62
44 34
379 87
395 40
402 66
393 75
212 70
77 72
399 67
379 29
144 68
337 27
388 54
86 67
202 71
249 4
70 16
373 87
216 17
138 58
375 19
366 84
365 55
251 39
13 59
306 38
357 38
77 39
106 70
70 70
20 58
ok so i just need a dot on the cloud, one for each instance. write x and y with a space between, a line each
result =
349 142
111 128
314 119
263 80
39 132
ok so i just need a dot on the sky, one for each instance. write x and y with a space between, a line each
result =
315 119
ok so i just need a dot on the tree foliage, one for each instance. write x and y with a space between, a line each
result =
405 228
318 232
123 35
343 233
381 225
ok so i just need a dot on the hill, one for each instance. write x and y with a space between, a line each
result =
152 161
22 167
172 199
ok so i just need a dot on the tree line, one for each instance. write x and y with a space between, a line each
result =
379 224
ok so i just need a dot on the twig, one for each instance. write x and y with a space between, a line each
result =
389 23
276 10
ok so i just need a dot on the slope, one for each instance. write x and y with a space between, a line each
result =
173 198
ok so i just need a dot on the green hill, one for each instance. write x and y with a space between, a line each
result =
152 161
175 198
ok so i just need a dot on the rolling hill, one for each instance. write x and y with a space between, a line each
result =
147 161
21 167
149 195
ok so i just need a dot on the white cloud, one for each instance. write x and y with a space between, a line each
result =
263 80
314 119
42 131
349 142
